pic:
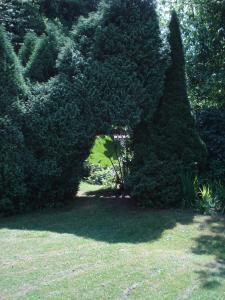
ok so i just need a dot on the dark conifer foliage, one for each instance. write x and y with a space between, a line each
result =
12 85
27 48
12 94
68 11
174 116
102 84
123 47
59 134
109 76
42 63
169 144
19 18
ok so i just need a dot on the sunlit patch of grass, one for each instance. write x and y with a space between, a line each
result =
86 187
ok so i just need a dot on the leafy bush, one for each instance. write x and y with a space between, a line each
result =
203 194
110 154
212 198
156 184
207 200
100 175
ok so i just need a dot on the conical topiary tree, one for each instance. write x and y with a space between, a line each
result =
42 63
173 116
27 48
169 144
125 69
12 85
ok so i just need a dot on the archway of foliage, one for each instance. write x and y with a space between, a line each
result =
110 78
106 77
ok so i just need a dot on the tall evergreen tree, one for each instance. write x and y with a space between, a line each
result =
169 144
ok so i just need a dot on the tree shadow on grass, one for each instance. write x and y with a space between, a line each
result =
213 244
112 220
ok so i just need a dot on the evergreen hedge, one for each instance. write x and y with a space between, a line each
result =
110 76
13 93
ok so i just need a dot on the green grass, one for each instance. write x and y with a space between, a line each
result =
86 187
104 249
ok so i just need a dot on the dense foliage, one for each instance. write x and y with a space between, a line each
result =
211 125
168 144
109 160
20 17
59 136
96 91
67 11
203 23
109 75
27 48
206 68
42 63
12 92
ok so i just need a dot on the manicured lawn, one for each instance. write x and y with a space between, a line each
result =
104 249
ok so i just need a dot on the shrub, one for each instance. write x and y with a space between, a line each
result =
111 153
203 194
211 198
59 137
100 175
156 183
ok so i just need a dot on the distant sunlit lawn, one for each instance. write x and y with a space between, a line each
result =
104 249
